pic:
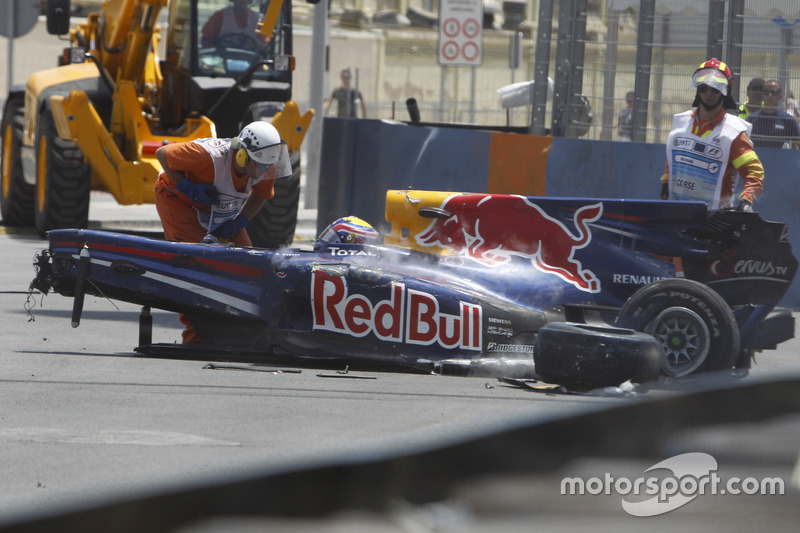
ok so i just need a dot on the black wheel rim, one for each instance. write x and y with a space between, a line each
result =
684 337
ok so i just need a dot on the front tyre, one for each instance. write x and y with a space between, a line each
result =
63 180
16 195
695 326
275 224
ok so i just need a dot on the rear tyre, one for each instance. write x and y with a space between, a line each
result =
275 224
584 357
63 181
695 326
16 196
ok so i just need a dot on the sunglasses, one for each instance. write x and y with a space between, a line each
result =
771 92
261 168
703 88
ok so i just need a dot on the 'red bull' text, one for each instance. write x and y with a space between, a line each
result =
408 315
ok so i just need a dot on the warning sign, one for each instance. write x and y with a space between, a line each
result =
461 32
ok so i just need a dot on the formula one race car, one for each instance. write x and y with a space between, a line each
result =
592 291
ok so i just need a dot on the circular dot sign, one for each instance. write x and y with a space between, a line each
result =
460 32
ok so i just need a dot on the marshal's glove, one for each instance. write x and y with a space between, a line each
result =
229 228
745 206
199 194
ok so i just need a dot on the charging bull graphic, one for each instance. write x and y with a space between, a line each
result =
492 228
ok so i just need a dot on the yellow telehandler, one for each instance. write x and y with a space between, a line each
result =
94 121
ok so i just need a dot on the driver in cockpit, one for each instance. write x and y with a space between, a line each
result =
237 18
347 230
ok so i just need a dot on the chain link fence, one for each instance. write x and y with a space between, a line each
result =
653 47
595 51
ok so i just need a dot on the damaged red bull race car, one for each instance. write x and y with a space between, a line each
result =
581 292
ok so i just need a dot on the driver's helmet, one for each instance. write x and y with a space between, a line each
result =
348 230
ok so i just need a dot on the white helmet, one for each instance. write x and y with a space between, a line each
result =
261 141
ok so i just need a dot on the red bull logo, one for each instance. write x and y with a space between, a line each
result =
407 316
491 229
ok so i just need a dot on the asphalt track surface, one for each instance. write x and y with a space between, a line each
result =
84 419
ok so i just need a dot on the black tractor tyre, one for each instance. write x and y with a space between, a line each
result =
695 326
585 357
275 224
16 195
63 180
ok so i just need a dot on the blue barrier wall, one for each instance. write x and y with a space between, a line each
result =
605 169
362 159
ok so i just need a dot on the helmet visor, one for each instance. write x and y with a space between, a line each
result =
712 77
267 156
329 236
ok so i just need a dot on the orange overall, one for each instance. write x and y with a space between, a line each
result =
178 214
